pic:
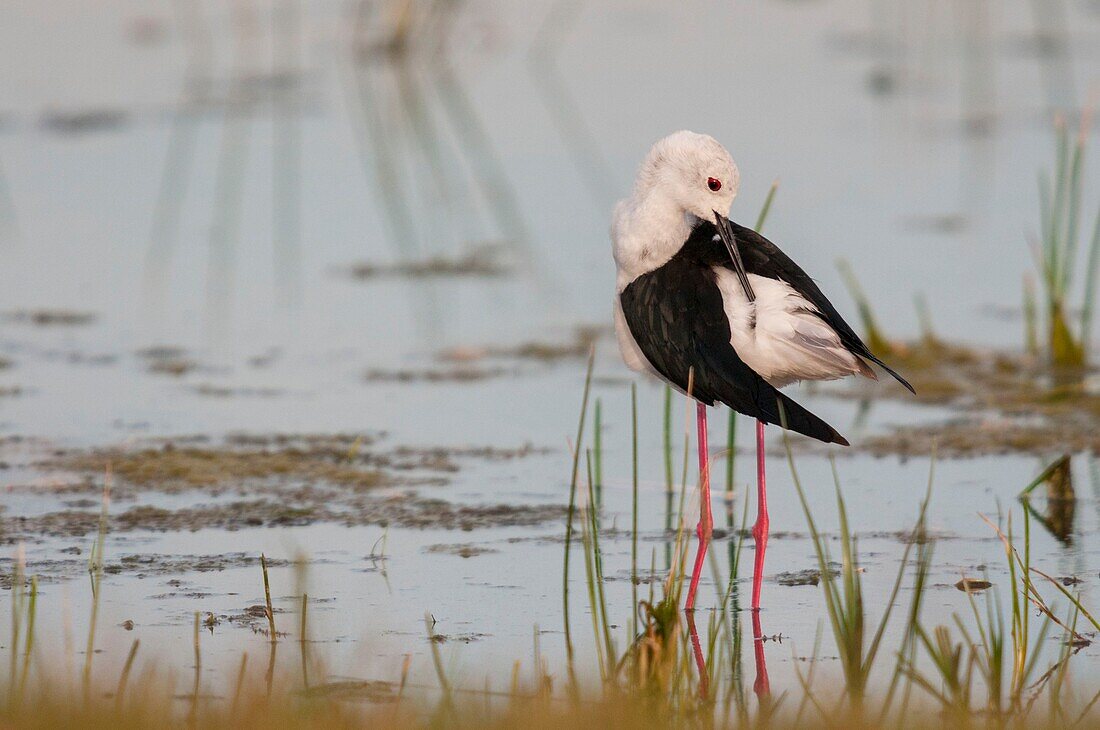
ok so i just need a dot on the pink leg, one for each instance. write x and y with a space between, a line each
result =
706 521
760 529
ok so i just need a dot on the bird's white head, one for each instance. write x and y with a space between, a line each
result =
685 178
694 171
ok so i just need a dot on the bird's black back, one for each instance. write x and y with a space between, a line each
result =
763 258
677 318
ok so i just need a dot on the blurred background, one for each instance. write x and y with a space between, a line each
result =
370 183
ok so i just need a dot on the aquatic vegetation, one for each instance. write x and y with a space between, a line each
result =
844 595
1008 402
987 668
1058 255
876 340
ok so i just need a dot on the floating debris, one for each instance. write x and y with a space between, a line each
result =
807 577
973 585
253 617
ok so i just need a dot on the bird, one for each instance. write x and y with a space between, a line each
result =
721 314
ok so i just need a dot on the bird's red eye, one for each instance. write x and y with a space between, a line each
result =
714 184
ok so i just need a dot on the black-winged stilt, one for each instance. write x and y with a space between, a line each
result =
720 313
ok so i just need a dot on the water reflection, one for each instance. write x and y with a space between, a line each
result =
762 685
562 108
182 137
1061 500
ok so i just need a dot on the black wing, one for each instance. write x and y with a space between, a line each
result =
764 258
677 318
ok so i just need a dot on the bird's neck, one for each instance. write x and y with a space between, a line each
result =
647 231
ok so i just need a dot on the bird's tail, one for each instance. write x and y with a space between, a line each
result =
892 372
777 408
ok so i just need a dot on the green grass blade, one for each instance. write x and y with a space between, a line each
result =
570 512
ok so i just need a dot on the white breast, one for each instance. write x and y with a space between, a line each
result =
778 336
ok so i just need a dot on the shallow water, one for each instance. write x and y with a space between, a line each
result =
905 141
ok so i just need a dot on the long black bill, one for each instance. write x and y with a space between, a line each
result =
722 223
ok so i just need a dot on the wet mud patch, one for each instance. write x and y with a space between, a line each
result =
170 468
299 508
143 565
265 481
462 550
972 437
456 638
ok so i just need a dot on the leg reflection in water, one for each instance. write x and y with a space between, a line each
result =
697 652
762 687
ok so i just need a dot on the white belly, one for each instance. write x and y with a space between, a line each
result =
777 337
